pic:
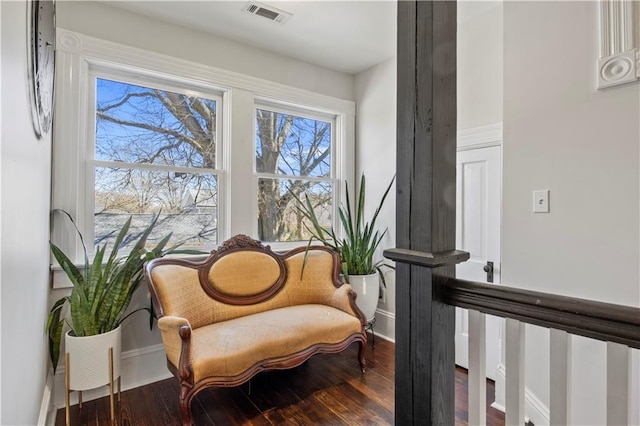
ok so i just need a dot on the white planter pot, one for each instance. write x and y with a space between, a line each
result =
367 287
89 363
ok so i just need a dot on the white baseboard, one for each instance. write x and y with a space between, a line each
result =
385 327
47 415
535 410
500 398
139 367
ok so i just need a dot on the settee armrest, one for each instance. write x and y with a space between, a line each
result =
343 298
176 337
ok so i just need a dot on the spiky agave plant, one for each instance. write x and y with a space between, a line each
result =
361 238
103 290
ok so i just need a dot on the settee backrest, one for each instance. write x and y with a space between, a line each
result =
242 277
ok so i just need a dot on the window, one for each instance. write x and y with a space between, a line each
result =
156 151
216 153
294 159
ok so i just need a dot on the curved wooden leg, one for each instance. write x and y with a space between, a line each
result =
185 405
361 360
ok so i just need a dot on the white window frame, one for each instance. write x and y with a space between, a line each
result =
77 55
184 87
306 112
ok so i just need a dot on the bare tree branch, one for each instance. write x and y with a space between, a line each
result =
150 127
124 100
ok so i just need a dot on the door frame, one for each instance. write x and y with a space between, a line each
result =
480 137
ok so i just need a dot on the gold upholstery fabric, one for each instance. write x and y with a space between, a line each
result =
169 328
244 273
181 295
313 283
231 347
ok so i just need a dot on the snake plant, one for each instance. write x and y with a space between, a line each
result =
102 290
361 239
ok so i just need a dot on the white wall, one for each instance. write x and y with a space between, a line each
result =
24 196
108 23
376 158
479 63
562 134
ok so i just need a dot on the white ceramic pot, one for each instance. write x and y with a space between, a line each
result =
367 287
89 359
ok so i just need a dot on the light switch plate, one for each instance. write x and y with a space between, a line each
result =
541 201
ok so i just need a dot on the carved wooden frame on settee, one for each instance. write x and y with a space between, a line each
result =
184 372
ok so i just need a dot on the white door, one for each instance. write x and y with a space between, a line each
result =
478 232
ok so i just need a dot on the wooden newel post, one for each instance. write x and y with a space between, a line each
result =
425 213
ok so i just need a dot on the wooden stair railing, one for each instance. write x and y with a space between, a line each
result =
618 325
596 320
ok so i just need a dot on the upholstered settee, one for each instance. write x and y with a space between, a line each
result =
246 309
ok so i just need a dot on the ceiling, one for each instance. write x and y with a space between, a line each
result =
348 36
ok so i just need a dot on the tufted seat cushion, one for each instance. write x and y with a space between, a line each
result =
246 341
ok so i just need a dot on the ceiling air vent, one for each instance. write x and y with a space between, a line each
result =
266 11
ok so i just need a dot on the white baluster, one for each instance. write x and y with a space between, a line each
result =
617 384
477 369
560 378
514 368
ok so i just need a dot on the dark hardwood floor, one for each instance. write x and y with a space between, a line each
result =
326 390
